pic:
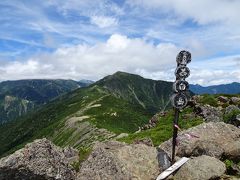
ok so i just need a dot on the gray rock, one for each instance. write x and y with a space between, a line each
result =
238 117
209 148
232 151
231 108
201 168
164 160
119 161
235 120
223 99
38 160
71 154
211 114
211 139
235 100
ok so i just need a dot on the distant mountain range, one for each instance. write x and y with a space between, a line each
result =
233 88
22 96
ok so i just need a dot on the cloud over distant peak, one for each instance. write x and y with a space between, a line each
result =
83 61
118 53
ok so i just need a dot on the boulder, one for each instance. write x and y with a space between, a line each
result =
210 139
38 160
164 160
235 100
223 99
211 114
115 160
201 168
209 148
232 151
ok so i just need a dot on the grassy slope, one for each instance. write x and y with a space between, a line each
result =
49 120
118 103
163 130
150 94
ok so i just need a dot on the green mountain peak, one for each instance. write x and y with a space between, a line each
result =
118 103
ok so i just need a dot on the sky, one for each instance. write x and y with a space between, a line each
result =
89 39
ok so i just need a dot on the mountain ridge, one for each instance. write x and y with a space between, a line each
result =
73 118
148 93
118 103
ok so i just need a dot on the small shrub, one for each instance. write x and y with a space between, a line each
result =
163 130
83 155
209 99
228 163
76 166
230 116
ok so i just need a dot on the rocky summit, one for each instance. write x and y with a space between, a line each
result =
201 168
212 139
117 161
37 161
207 145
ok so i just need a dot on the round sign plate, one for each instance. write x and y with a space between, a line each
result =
179 101
183 58
182 72
180 85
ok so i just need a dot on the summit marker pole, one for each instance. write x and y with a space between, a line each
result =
179 98
175 131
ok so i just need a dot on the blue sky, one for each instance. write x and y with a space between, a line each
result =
82 39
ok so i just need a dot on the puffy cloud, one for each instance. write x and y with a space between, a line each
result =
120 53
93 62
81 39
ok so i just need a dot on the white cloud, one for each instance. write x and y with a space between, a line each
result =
206 28
215 71
93 62
120 53
104 21
201 11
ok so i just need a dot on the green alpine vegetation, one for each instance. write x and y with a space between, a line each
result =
163 129
116 104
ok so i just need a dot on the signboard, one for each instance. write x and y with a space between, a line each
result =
180 85
182 72
179 100
183 58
